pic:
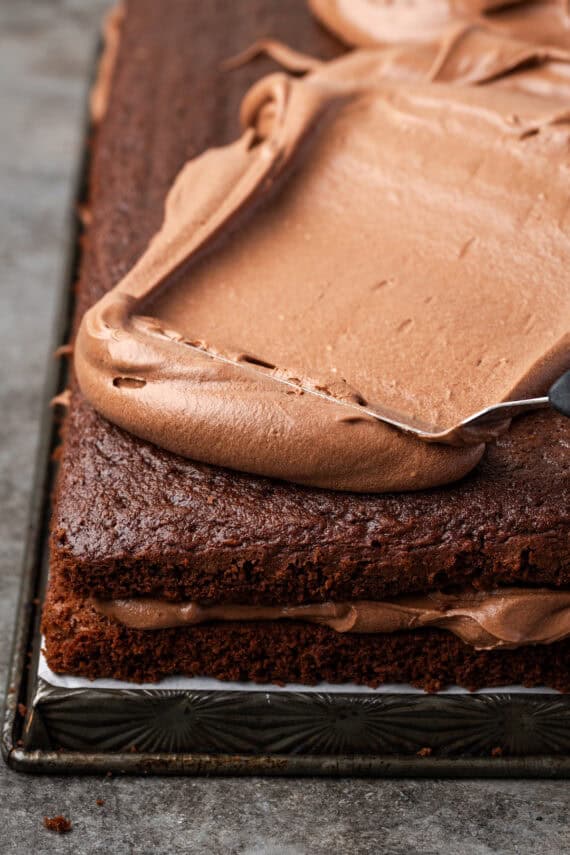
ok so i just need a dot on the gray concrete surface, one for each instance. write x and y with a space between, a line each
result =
45 49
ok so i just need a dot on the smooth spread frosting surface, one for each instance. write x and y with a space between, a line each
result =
505 618
399 245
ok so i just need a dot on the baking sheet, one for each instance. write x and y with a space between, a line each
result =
198 725
54 724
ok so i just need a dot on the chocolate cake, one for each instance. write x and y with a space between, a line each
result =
453 568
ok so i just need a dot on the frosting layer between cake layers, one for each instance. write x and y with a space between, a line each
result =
504 618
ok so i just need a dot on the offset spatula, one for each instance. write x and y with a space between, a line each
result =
486 423
480 427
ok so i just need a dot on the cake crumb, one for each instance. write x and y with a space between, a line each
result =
497 751
424 752
61 400
60 824
63 350
100 802
84 214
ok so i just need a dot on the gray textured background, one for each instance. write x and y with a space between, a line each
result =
45 51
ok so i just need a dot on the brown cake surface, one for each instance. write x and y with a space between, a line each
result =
132 519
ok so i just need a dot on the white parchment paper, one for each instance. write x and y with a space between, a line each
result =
206 683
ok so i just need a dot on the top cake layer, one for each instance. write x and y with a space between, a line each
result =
131 518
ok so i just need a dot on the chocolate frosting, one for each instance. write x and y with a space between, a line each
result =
364 242
366 23
504 618
111 34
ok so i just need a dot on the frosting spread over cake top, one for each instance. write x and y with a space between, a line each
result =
366 243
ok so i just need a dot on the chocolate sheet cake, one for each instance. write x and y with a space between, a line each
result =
163 565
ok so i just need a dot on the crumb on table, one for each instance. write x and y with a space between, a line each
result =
59 824
424 752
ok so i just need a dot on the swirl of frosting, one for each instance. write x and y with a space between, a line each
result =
366 23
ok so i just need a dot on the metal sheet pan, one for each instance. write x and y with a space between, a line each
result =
51 729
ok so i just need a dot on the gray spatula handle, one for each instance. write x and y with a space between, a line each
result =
559 395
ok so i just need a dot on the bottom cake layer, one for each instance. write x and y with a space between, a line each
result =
83 642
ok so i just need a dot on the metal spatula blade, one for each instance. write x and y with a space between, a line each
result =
480 427
490 422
